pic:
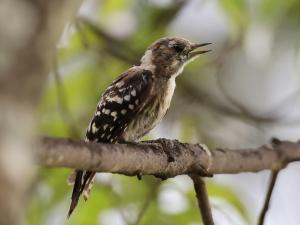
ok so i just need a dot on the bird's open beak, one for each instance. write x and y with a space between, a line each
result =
195 50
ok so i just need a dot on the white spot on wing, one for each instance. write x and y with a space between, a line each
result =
116 99
136 102
123 111
131 106
133 92
107 111
127 97
114 114
120 84
105 126
94 128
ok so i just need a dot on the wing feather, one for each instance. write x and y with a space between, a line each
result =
120 104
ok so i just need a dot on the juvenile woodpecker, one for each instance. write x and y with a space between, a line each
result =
136 101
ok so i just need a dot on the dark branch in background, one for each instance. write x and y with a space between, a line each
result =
274 176
271 116
120 49
111 45
244 110
188 90
163 158
203 201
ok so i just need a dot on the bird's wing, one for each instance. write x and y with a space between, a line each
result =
120 104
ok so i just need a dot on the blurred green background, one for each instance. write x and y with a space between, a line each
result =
239 95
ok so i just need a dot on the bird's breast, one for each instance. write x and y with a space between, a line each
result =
152 113
168 93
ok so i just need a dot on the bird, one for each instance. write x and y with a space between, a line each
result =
136 101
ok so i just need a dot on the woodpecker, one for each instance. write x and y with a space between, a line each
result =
136 101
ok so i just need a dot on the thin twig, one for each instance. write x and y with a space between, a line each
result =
274 176
112 46
245 112
147 202
271 116
203 200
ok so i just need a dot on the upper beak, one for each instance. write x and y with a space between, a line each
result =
194 52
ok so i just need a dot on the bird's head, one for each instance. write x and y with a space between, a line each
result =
168 56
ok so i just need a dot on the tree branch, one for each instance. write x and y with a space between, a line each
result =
163 158
203 200
265 208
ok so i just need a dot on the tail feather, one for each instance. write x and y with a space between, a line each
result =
83 183
76 191
88 186
72 177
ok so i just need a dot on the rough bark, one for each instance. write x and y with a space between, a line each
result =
163 158
203 200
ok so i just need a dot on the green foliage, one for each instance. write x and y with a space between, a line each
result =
280 11
110 7
237 11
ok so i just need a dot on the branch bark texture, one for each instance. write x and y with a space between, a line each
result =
163 158
203 200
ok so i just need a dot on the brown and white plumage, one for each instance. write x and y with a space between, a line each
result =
136 101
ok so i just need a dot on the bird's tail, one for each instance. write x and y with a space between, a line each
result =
83 181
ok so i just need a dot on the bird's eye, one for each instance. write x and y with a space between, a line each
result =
178 48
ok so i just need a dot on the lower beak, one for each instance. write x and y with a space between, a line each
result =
195 52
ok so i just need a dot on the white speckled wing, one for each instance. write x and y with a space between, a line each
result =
119 105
